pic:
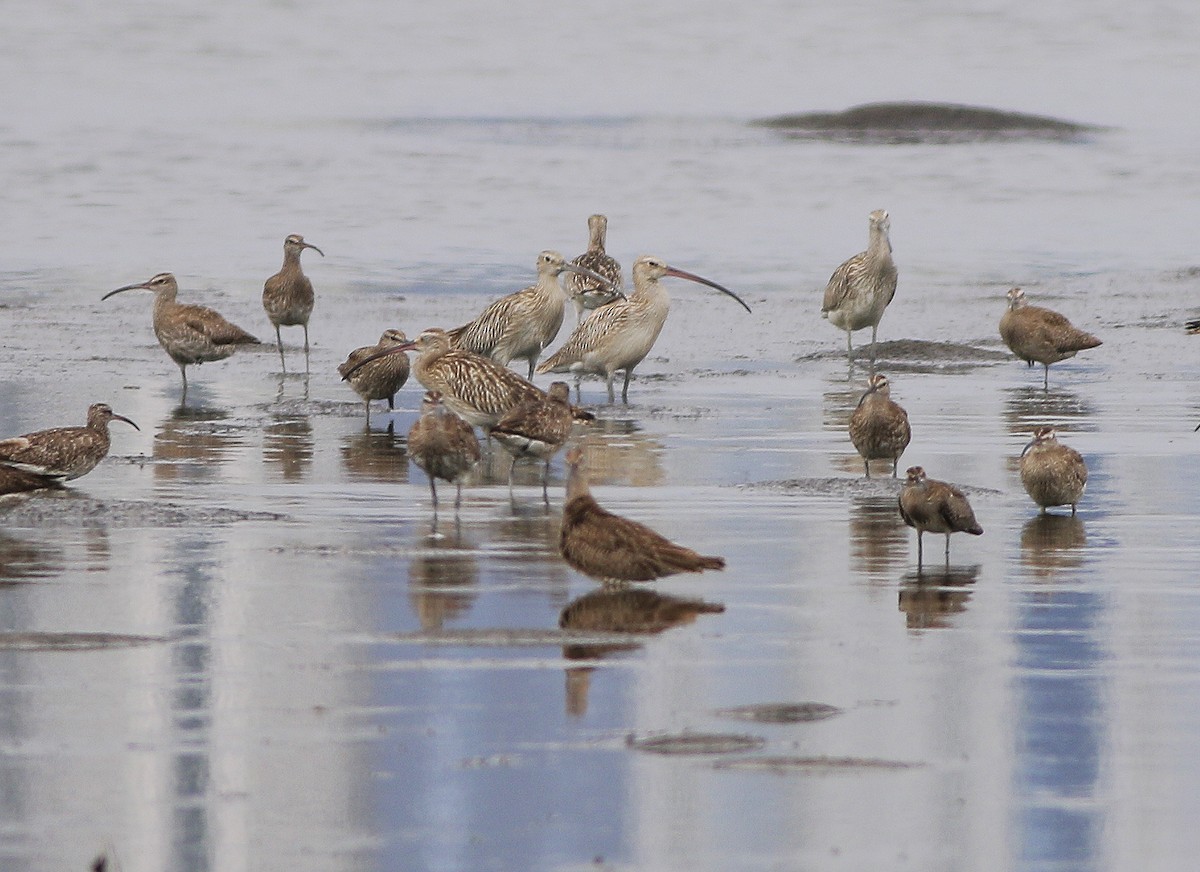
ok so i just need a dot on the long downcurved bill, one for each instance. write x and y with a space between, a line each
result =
140 286
117 417
692 277
395 349
594 276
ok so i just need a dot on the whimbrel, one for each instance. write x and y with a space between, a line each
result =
380 379
621 334
1037 334
935 507
537 428
472 386
288 295
588 293
861 288
1053 474
879 426
64 453
189 334
443 445
608 547
522 324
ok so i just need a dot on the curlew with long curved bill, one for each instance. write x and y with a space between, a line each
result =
1053 474
1039 335
879 426
608 547
521 325
380 379
189 334
861 288
475 387
63 453
443 445
620 335
587 293
931 506
288 295
537 428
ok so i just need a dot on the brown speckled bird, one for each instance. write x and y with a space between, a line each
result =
935 507
189 334
64 453
537 428
861 288
620 335
608 547
472 386
443 445
288 295
1039 335
522 324
879 426
1053 474
587 293
382 378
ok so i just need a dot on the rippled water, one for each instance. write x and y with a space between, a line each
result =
241 643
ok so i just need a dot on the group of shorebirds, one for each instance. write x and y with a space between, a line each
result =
469 384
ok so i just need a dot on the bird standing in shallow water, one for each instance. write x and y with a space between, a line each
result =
879 426
64 453
380 379
587 293
935 507
861 288
611 548
443 445
522 324
288 295
189 334
1053 474
1036 334
537 428
620 335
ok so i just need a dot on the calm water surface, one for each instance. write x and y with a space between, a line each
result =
302 671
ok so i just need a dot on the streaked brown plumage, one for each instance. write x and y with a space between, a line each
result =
935 507
537 428
608 547
382 378
588 293
861 288
16 481
1053 474
620 335
879 426
189 334
632 610
1036 334
443 445
472 386
522 324
288 295
64 453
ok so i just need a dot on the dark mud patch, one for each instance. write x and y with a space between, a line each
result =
815 765
781 712
918 355
849 487
697 743
73 641
921 122
67 508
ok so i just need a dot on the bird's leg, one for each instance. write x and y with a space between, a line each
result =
947 550
546 483
532 361
611 376
391 403
849 346
279 343
867 467
458 497
920 548
895 463
368 405
433 491
512 467
874 331
625 389
306 339
183 372
1046 377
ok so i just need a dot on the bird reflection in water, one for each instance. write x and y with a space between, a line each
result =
627 610
376 455
1052 543
443 578
931 597
23 560
878 537
1028 407
288 445
192 443
619 453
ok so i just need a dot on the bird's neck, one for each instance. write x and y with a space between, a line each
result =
577 485
879 246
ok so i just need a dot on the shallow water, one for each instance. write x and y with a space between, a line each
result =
242 642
